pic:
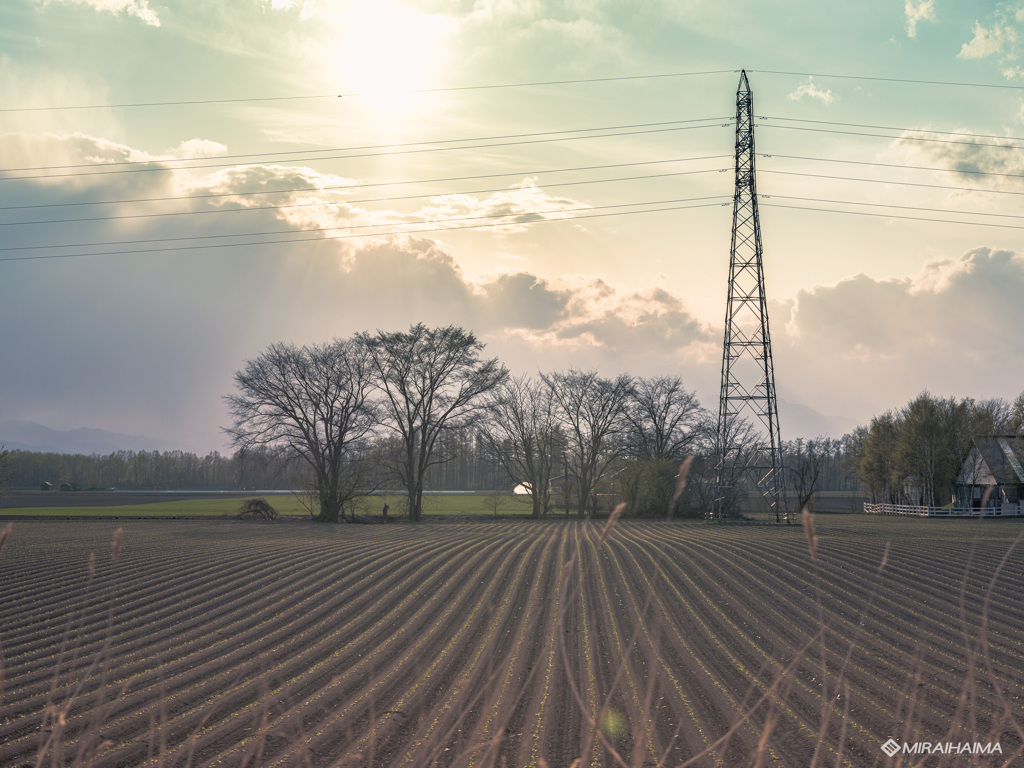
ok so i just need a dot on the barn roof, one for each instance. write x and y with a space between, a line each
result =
1004 457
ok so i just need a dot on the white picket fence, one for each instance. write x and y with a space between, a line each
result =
1007 510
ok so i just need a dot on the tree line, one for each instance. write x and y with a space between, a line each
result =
149 470
424 409
913 454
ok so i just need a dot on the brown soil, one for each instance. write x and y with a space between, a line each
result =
516 644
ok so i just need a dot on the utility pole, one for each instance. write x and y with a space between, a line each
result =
747 399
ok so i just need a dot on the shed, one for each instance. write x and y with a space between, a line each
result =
45 486
992 473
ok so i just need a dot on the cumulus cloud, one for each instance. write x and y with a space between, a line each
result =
522 204
109 336
811 90
983 162
196 148
916 12
138 8
951 328
987 41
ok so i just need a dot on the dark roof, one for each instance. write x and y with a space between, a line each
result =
1004 457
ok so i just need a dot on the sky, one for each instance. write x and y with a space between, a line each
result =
242 173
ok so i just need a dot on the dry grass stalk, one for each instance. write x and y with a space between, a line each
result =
812 537
4 535
612 518
684 471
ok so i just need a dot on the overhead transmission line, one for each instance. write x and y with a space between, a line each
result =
515 216
325 203
361 185
150 166
892 182
498 86
890 128
894 205
489 224
486 86
893 165
900 138
290 153
894 216
911 81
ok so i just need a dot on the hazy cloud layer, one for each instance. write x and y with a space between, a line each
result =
982 162
146 343
138 8
952 328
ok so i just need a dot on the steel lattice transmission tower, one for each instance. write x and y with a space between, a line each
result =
749 451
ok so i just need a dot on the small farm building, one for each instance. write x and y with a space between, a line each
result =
992 474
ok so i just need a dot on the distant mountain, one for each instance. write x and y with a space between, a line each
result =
798 420
31 436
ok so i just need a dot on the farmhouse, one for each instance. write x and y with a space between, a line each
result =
992 474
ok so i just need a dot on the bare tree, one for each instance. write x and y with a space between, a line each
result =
432 380
524 437
805 461
591 409
720 475
663 419
663 426
314 401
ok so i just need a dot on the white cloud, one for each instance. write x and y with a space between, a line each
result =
951 329
992 163
924 10
170 327
813 91
196 148
516 207
138 8
987 42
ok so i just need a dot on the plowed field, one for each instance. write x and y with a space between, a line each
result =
516 644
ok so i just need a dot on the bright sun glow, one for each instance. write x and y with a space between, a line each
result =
386 52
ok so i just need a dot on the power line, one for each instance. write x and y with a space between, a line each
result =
515 215
886 136
362 185
894 216
369 146
891 128
375 234
368 93
894 165
378 154
895 183
893 205
340 202
891 79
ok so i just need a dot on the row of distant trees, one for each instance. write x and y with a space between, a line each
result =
424 409
152 470
394 407
402 409
913 455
